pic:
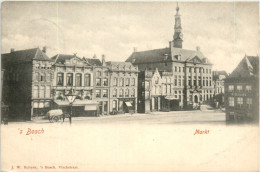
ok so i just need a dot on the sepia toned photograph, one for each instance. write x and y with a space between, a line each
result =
129 86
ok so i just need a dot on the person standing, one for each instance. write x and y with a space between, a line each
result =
70 118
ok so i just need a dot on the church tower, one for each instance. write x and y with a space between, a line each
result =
177 37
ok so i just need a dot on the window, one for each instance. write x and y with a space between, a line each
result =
36 77
230 88
147 85
115 93
179 69
127 82
121 81
42 78
41 91
168 88
164 89
209 70
87 80
48 92
175 68
249 103
179 82
60 79
69 79
189 81
115 81
133 81
248 88
190 69
240 101
199 81
48 77
78 80
105 93
35 92
175 81
207 81
206 70
126 92
194 81
105 82
98 93
114 105
231 101
157 80
106 73
239 88
98 82
121 93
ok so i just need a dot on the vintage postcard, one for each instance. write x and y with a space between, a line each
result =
129 86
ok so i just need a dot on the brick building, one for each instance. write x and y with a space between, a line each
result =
72 72
242 91
123 87
186 74
27 83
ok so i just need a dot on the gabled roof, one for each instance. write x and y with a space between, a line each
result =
248 66
24 56
93 61
62 58
159 55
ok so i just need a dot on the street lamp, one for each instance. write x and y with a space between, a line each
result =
71 98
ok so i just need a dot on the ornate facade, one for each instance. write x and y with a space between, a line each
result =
72 72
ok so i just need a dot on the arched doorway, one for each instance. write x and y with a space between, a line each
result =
196 99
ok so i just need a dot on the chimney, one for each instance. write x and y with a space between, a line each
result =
12 50
95 56
198 48
103 59
44 49
135 49
170 44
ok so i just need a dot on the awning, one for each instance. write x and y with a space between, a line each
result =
76 102
171 98
91 107
128 104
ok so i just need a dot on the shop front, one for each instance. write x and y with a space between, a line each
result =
79 107
170 103
126 105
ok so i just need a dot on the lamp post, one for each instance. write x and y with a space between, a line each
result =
71 98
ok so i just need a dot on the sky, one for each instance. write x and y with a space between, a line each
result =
224 31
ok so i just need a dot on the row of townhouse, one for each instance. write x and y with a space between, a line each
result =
33 84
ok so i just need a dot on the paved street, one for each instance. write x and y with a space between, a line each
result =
174 117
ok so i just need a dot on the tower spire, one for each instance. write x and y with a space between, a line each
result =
177 37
